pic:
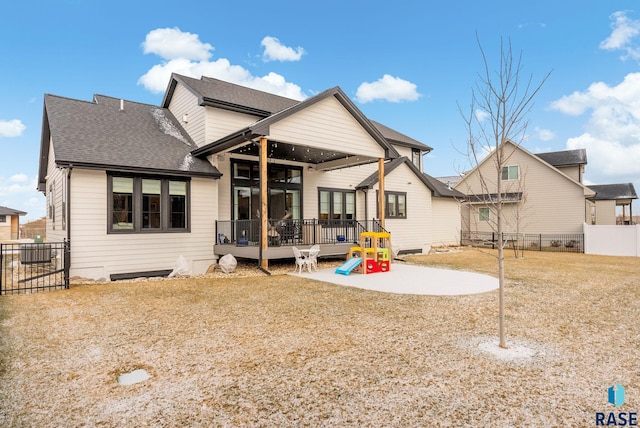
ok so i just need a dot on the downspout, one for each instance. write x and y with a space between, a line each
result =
67 249
68 202
381 197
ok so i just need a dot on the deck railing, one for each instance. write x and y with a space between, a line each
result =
293 231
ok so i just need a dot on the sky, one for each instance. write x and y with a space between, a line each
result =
410 65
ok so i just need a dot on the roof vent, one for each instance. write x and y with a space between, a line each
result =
121 104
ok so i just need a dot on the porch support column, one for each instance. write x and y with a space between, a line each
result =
381 191
263 203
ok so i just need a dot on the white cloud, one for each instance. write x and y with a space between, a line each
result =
608 158
19 192
275 51
481 115
195 62
171 43
612 133
621 38
17 184
544 134
19 178
11 128
387 88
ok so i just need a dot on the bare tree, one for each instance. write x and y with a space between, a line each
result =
500 102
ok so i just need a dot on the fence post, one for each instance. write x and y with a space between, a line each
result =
1 268
540 241
67 262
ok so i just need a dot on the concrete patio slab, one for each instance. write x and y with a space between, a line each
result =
411 279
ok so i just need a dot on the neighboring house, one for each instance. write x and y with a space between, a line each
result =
542 193
538 197
607 200
223 169
10 223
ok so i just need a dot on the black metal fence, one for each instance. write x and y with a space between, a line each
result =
567 243
34 267
293 231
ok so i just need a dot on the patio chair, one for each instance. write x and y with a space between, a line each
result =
301 261
289 231
313 256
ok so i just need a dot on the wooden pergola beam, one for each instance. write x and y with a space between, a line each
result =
264 263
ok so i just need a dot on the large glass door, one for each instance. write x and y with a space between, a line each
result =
284 191
246 209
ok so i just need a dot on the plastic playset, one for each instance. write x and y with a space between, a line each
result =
373 255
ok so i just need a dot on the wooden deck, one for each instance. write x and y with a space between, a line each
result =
338 249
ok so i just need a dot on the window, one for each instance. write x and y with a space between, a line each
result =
336 204
3 218
284 189
177 204
52 205
483 214
396 205
510 172
122 203
151 213
147 205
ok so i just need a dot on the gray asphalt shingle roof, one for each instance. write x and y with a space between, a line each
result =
10 211
218 92
396 137
437 188
610 192
138 137
565 157
222 94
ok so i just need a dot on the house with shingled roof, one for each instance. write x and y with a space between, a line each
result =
10 223
218 169
606 201
543 193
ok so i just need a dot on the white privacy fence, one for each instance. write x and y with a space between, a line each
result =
612 240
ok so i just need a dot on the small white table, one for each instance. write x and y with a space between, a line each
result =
305 252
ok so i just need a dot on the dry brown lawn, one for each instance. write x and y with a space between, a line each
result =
286 351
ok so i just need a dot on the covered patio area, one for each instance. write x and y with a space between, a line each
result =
241 238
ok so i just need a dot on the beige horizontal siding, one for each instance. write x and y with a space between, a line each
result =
554 203
94 251
220 123
326 124
446 221
185 102
605 212
415 232
55 176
